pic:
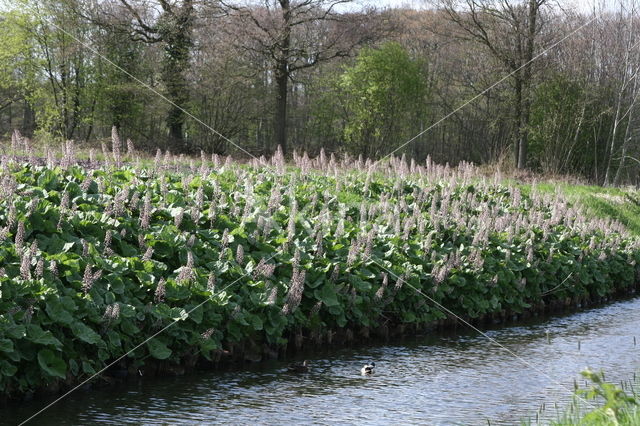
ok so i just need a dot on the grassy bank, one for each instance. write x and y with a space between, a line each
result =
619 204
603 404
257 257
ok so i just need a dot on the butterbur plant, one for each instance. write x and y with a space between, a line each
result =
354 249
211 283
263 269
130 148
294 295
224 242
19 239
291 226
25 265
160 292
40 268
116 246
115 146
187 273
383 286
177 221
89 278
272 290
207 333
148 254
145 217
240 254
112 312
335 274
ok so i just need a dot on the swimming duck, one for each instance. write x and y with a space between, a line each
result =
299 368
368 369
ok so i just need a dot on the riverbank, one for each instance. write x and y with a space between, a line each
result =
619 204
452 376
603 403
251 261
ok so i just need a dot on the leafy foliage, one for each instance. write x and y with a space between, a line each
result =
97 259
617 405
382 96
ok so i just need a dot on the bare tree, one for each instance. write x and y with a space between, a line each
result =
295 35
627 94
509 30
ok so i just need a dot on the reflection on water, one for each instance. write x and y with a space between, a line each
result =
445 379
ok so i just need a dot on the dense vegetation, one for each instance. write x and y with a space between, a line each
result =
319 74
98 257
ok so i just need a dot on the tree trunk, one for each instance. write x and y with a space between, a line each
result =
627 133
178 38
175 122
567 158
64 126
518 118
614 135
634 94
523 139
623 153
628 75
28 120
282 78
280 129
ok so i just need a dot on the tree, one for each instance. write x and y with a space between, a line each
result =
16 70
625 124
122 99
56 74
169 23
229 96
509 30
383 97
567 112
295 35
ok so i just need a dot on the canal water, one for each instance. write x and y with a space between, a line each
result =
454 378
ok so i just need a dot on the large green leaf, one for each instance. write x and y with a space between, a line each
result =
39 336
195 314
327 294
6 345
17 331
48 179
114 339
158 349
129 327
179 314
127 311
85 333
52 364
74 367
275 324
116 284
87 367
58 313
7 369
256 322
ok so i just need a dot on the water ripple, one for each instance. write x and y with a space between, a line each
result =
438 379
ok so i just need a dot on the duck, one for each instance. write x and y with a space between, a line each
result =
368 369
299 368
